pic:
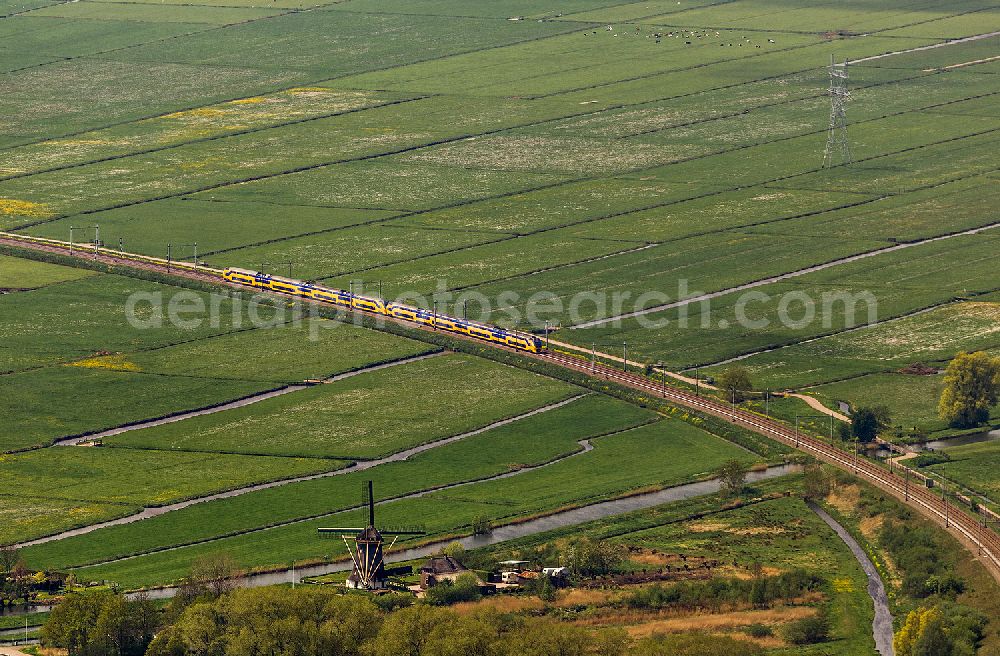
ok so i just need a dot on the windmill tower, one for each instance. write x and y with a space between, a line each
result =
838 148
368 553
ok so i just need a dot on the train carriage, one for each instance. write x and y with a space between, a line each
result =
485 332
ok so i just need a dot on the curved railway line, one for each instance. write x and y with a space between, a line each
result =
975 535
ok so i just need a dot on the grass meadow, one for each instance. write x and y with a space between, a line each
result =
17 274
597 146
370 415
528 442
927 337
973 466
586 478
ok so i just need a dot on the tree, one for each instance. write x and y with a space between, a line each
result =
587 557
546 591
9 557
868 421
463 588
733 476
735 381
217 573
924 633
808 630
405 632
455 550
817 482
971 388
124 628
482 525
70 623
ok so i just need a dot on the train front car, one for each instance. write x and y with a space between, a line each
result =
525 341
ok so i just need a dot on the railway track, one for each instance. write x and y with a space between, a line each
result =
981 540
977 537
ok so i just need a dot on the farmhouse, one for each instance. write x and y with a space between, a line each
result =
438 569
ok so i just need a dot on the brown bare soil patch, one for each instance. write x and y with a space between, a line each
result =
844 498
719 621
501 603
582 597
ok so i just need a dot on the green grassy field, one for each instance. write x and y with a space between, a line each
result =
974 466
59 489
311 349
110 475
366 416
19 274
586 478
77 319
848 296
43 405
501 148
26 517
913 399
927 337
531 441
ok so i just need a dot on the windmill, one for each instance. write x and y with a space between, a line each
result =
368 555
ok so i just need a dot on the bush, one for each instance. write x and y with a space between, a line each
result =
696 645
392 601
464 588
916 550
758 630
718 591
931 458
808 630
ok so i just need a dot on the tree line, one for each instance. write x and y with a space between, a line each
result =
322 621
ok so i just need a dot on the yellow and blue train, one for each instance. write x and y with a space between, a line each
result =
514 339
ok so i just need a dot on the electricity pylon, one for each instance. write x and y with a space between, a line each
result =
838 148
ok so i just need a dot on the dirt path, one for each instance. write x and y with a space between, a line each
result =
818 406
882 624
11 651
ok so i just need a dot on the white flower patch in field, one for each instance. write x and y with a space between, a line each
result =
535 153
931 335
627 123
184 126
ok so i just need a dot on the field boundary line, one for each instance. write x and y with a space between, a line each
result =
959 522
357 467
435 143
374 156
209 27
949 42
388 221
